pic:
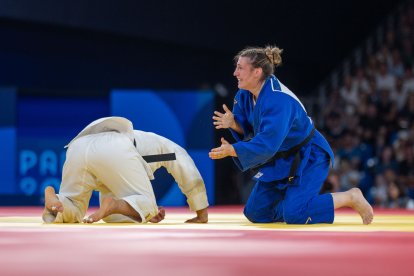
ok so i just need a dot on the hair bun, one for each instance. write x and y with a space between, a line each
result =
274 54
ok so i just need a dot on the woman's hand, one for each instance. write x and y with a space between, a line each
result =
224 120
226 149
160 216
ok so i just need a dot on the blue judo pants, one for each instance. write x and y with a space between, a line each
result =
298 203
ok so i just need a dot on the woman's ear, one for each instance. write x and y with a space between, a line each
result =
258 72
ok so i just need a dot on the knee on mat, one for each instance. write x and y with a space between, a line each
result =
256 216
295 217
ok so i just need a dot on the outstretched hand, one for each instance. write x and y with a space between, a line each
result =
226 149
224 120
160 216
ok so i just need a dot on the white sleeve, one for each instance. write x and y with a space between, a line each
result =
183 169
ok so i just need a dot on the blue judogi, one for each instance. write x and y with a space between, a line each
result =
278 122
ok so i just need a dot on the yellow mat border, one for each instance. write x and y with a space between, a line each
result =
231 221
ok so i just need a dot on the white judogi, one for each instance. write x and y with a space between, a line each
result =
103 157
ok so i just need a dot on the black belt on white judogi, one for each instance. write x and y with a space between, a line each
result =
158 157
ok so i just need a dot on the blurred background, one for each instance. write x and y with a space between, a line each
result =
168 65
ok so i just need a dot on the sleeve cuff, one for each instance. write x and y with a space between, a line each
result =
198 202
144 207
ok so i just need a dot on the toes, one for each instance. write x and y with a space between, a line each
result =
56 208
88 220
368 219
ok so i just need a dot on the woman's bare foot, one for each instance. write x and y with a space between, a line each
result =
202 217
107 207
110 206
52 203
361 205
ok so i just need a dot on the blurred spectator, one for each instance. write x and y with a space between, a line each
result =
406 115
349 177
384 79
396 198
349 149
399 95
334 127
407 51
349 92
387 160
395 65
331 184
360 82
408 84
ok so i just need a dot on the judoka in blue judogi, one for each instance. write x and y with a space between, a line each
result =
275 136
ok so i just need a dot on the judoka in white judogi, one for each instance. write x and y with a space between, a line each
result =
107 156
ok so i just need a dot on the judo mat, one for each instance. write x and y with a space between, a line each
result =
227 245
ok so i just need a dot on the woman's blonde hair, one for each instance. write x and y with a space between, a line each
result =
266 58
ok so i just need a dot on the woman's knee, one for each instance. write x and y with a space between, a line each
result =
296 217
256 215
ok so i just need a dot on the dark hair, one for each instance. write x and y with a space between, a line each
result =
266 58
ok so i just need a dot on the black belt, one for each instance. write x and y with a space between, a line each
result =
290 152
287 153
157 157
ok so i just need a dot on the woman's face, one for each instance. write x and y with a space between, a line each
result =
247 76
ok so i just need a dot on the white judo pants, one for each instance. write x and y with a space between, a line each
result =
109 163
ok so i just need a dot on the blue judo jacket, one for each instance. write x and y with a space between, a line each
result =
277 122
